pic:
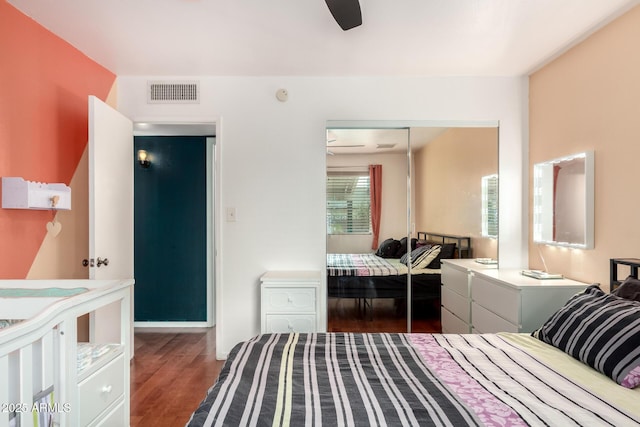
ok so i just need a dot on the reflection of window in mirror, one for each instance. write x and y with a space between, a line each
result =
490 206
348 203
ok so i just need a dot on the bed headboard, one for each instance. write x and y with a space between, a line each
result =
463 243
633 263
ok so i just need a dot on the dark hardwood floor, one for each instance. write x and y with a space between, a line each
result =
173 369
381 315
170 374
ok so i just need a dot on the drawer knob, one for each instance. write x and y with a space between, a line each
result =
107 389
289 299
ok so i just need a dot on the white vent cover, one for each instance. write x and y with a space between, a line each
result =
183 92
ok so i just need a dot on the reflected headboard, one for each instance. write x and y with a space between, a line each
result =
463 243
633 263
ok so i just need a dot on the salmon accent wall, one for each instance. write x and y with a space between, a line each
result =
448 173
45 83
589 99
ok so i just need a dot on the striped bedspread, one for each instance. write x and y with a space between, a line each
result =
344 379
363 265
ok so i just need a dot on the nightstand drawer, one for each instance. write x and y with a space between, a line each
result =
485 322
286 323
451 324
289 300
101 389
503 301
456 304
455 280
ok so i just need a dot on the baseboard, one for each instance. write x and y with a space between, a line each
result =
165 325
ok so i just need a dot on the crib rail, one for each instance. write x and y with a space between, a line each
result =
30 367
38 356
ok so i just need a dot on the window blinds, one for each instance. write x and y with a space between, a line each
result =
490 206
348 203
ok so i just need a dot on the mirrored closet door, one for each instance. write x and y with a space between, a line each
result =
367 228
393 191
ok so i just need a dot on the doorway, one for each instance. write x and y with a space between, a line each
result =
174 229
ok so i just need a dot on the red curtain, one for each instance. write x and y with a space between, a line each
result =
375 188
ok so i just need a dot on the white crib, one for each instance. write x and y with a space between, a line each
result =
46 376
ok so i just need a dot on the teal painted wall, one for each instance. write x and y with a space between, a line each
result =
170 229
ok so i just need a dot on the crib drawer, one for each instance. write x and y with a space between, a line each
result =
100 390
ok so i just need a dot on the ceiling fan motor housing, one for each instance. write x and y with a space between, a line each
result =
347 13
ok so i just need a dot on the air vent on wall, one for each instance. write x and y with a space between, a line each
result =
173 92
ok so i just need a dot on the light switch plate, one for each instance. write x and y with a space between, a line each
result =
231 214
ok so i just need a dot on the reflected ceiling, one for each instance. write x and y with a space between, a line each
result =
378 141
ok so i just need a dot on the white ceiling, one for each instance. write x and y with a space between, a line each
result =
300 37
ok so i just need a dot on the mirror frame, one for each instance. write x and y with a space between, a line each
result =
588 242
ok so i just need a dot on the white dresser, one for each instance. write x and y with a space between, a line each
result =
290 301
506 301
456 294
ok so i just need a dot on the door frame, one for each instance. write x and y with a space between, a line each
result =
180 127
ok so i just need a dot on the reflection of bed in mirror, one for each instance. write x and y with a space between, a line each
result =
384 274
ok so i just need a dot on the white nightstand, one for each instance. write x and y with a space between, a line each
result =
290 301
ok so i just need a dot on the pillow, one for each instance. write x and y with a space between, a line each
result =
629 289
402 249
427 257
379 250
446 252
421 256
601 330
388 248
414 254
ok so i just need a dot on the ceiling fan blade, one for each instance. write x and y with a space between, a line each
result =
347 13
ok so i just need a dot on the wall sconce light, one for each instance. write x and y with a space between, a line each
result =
143 159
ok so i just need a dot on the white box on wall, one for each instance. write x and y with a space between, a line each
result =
18 193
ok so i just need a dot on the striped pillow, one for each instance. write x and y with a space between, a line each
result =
600 330
422 256
417 252
426 258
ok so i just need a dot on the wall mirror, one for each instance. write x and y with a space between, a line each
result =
431 182
563 201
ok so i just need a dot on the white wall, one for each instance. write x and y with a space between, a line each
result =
273 162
